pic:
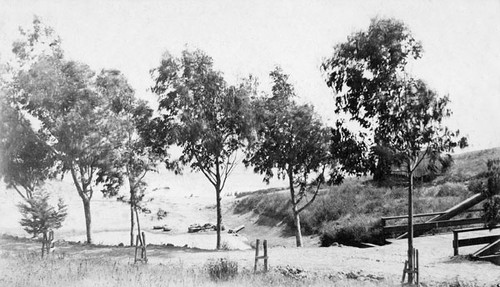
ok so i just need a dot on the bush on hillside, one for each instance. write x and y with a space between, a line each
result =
353 231
352 199
452 189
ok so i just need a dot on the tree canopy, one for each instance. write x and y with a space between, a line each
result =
405 117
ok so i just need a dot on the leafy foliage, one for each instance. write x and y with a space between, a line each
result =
39 216
405 117
25 161
367 68
213 119
489 185
291 138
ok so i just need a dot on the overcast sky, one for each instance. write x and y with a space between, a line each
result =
461 41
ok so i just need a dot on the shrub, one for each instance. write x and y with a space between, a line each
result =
39 217
222 269
353 231
161 214
491 211
452 189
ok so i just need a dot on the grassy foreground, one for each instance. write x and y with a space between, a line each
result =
28 269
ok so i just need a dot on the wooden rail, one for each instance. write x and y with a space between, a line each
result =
386 218
431 225
457 243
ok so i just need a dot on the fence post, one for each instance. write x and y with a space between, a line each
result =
257 243
143 254
136 246
455 243
44 242
265 255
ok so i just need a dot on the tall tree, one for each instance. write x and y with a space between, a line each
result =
293 143
405 117
75 119
133 158
213 119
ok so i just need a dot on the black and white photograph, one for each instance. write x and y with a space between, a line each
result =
249 143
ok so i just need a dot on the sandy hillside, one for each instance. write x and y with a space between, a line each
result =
187 199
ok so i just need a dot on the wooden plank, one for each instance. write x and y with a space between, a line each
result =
477 240
489 249
431 225
424 214
415 215
461 207
474 229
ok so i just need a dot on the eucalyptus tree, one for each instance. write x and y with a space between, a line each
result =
211 119
405 117
293 143
74 118
133 159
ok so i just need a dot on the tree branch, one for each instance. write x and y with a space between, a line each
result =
19 192
228 169
420 160
77 183
315 194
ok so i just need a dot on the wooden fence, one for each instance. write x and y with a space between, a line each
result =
457 243
431 225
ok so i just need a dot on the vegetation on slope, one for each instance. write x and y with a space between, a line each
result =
350 214
467 166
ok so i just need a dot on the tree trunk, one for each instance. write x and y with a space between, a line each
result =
132 224
88 219
295 210
298 232
131 184
410 225
219 216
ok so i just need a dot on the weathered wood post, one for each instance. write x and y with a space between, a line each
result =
412 268
265 256
455 243
143 254
44 242
140 242
257 257
257 243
